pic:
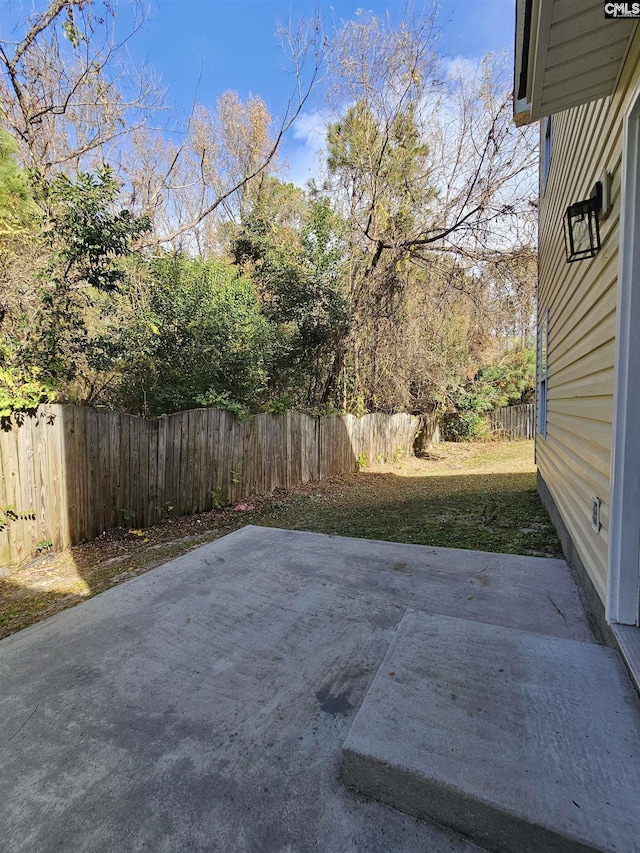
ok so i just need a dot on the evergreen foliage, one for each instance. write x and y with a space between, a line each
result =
200 339
17 208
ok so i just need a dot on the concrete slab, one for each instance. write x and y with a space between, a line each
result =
203 706
522 742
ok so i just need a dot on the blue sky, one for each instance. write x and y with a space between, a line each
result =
231 44
216 45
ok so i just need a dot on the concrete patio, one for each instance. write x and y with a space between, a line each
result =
204 705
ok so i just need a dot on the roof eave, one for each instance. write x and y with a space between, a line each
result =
543 31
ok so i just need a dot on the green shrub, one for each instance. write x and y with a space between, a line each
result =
464 426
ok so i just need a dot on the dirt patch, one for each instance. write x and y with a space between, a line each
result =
478 496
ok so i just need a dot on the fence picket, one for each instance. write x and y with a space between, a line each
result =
81 470
513 422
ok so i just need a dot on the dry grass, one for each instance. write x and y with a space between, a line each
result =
479 496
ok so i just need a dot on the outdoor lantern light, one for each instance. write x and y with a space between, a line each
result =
581 227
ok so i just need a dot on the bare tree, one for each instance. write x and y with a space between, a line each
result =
222 157
192 187
69 93
73 102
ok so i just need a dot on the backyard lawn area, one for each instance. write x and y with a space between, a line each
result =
479 496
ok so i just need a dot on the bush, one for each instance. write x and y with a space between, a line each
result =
202 340
464 426
507 382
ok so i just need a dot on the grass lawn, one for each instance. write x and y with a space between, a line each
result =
464 496
479 496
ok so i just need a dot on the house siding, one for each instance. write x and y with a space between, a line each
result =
574 458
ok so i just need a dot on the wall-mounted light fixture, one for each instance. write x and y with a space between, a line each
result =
581 227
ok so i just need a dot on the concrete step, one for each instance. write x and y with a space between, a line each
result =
521 742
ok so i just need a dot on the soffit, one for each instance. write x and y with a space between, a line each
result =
574 55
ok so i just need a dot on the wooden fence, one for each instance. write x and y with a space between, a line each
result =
513 422
69 473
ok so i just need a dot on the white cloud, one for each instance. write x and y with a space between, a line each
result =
311 128
306 155
462 68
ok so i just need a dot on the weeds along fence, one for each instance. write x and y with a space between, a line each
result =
513 422
69 473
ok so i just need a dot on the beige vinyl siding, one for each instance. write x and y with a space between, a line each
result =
575 457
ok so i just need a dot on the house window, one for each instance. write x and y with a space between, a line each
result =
547 148
543 373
